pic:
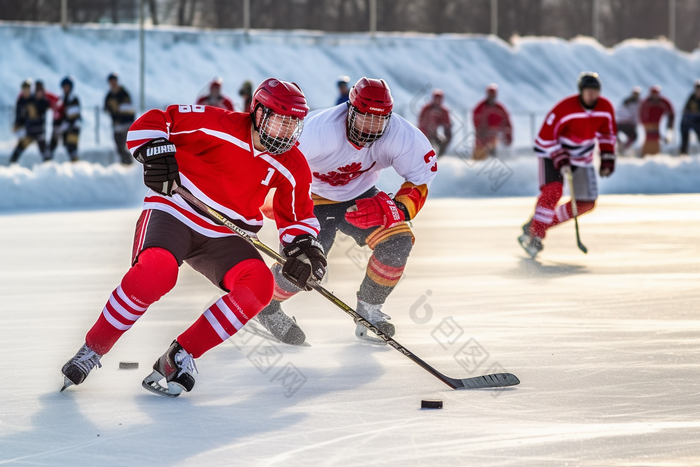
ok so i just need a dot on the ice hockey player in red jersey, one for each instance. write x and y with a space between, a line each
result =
491 123
215 98
567 139
347 147
651 110
433 117
230 161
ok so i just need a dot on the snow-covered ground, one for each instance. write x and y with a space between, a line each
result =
533 73
605 345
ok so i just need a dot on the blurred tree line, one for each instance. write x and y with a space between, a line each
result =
619 19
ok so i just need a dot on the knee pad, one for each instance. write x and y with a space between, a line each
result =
253 274
394 251
382 235
153 275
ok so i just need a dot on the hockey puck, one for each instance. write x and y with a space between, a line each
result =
128 365
430 404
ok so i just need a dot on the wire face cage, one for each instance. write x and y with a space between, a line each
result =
366 128
279 133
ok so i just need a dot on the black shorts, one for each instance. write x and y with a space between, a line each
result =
211 257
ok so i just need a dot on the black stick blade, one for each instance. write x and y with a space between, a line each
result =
496 380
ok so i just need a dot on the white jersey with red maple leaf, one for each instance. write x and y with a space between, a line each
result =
342 171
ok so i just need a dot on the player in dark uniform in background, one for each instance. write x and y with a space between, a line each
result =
118 104
30 120
691 118
69 128
343 89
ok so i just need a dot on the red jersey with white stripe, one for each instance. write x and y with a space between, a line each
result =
220 166
571 126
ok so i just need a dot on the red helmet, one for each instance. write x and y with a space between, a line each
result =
284 108
282 97
371 105
216 83
372 96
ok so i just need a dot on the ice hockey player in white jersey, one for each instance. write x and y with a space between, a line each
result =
347 146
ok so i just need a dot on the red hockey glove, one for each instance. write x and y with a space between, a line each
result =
607 164
372 212
160 171
561 158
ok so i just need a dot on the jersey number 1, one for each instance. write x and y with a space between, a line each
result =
270 173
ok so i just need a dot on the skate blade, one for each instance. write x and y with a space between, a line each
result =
66 384
521 240
152 383
361 333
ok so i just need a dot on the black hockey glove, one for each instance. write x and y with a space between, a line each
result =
305 260
607 164
160 171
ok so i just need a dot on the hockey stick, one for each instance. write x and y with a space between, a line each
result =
574 208
495 380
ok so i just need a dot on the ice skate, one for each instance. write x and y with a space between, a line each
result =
176 366
373 314
282 327
530 243
78 368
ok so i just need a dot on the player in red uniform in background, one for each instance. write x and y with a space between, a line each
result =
567 139
650 112
215 98
434 116
491 121
230 161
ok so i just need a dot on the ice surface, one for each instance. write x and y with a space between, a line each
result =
605 345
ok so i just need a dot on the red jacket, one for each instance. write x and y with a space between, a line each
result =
651 111
432 117
219 165
569 125
222 102
490 120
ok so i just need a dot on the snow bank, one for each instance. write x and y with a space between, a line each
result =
91 185
70 185
518 177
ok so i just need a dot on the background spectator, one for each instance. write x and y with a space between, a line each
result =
650 112
491 122
691 118
344 89
433 118
628 119
215 98
118 104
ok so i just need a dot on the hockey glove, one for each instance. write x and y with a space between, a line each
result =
561 158
607 164
375 211
160 171
305 260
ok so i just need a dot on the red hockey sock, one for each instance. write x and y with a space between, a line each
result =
250 283
544 211
563 213
150 278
